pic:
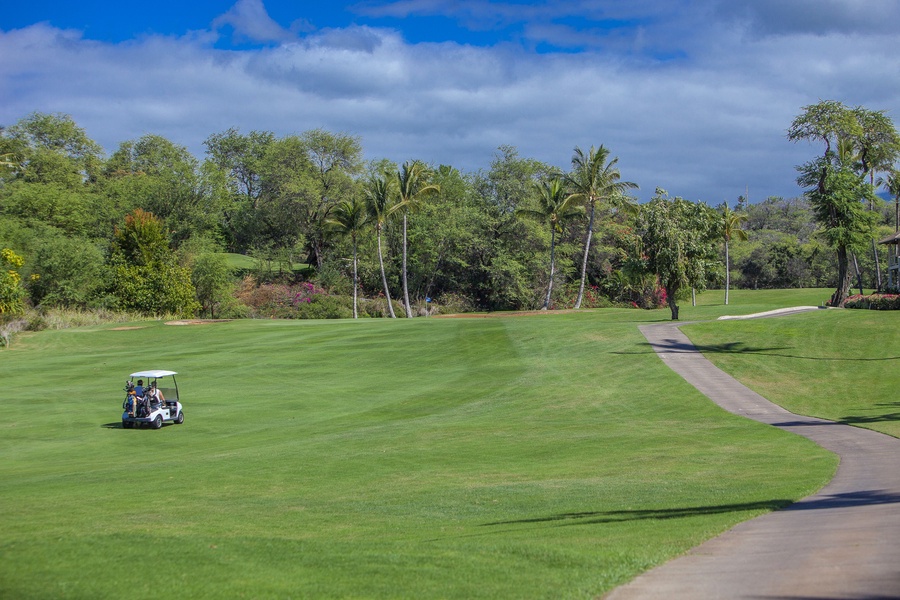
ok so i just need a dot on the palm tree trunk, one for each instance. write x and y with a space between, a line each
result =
858 274
877 266
727 273
355 280
405 285
552 268
387 291
587 249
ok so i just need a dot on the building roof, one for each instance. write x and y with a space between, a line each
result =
894 238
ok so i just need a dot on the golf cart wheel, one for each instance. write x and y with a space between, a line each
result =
127 424
157 422
180 418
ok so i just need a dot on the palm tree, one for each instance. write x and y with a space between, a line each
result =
731 228
412 181
891 184
349 216
554 205
594 180
379 195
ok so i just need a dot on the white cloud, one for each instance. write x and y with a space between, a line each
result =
249 19
703 125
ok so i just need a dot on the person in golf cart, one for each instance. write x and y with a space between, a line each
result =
155 395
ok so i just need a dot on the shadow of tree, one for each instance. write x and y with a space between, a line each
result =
616 516
863 420
862 498
676 346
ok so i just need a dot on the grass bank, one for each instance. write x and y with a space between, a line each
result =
544 457
841 365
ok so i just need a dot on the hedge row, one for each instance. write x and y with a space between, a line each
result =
874 302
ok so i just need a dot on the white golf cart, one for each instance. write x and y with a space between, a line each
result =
148 402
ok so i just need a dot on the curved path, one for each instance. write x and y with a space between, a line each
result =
841 543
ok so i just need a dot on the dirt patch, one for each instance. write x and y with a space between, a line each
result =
197 321
127 328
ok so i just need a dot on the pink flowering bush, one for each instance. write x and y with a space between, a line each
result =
304 300
592 298
874 302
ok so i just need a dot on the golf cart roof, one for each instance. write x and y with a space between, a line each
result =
153 374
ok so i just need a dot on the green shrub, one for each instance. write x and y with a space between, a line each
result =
377 307
325 307
451 304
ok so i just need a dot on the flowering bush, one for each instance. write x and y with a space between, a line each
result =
304 301
592 298
874 302
12 294
649 297
306 292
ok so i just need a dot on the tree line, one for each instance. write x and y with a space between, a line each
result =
150 228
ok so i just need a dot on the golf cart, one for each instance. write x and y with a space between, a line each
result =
148 402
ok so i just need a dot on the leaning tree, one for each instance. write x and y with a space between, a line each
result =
413 189
857 142
594 180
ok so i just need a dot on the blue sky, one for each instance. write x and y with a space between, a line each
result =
692 95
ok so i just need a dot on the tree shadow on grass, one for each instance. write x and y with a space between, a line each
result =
618 516
864 420
676 346
862 498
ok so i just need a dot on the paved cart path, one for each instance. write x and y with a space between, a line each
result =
841 543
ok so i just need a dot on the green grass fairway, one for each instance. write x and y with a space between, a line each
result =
842 365
242 262
552 456
711 304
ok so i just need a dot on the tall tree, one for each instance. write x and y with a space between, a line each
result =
731 228
878 146
679 241
594 180
336 161
289 213
838 198
161 177
379 198
555 205
145 274
349 217
52 148
891 184
857 142
241 158
413 189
